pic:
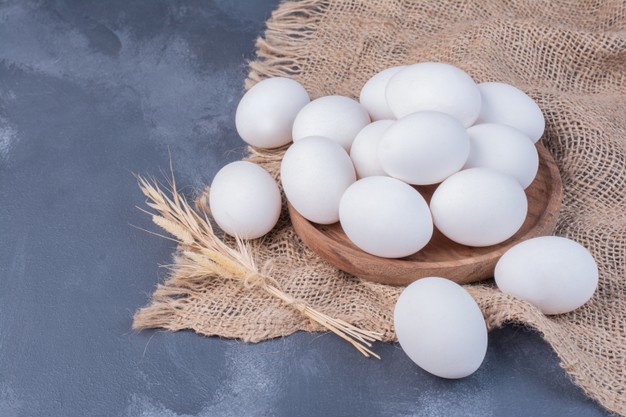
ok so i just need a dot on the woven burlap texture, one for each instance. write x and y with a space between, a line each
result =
570 56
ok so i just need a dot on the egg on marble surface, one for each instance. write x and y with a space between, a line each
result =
244 200
335 117
372 95
479 207
266 112
505 149
504 104
385 217
440 327
315 172
555 274
364 150
434 86
424 148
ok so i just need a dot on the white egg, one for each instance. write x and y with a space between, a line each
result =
385 217
424 148
335 117
479 207
364 150
508 105
372 95
244 200
315 172
505 149
265 114
555 274
434 86
440 327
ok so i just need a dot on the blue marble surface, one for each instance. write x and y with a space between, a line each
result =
92 92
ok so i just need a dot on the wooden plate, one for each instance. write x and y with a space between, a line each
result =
441 257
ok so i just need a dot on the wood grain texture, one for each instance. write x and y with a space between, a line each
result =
441 257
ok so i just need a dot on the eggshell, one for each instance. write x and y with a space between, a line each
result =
434 86
504 104
479 207
505 149
364 150
424 148
244 200
265 114
335 117
315 171
372 95
385 217
440 327
555 274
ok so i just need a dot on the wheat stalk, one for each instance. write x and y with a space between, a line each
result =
204 254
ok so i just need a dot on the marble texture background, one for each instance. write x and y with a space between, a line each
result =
92 92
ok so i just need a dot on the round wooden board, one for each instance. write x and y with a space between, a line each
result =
441 257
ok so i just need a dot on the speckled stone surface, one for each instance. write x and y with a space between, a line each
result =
92 92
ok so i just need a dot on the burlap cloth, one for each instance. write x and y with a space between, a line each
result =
570 56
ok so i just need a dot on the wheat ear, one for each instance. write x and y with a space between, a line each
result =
204 254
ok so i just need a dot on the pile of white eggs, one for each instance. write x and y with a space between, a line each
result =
358 163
